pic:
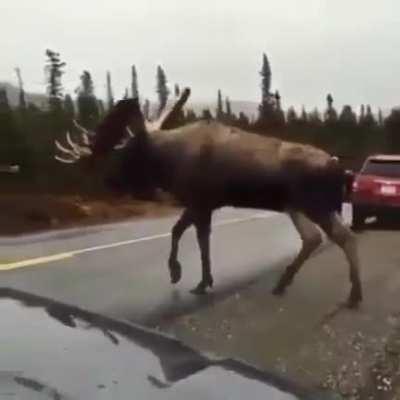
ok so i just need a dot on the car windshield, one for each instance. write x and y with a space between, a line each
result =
198 169
390 169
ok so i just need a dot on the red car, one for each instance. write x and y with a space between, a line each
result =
376 189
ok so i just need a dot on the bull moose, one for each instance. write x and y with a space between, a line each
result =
207 165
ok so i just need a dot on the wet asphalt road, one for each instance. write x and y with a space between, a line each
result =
120 270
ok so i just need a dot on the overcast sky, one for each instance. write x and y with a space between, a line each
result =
348 47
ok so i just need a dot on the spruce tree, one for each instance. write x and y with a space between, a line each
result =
347 116
54 71
369 121
291 116
266 80
21 95
110 96
69 107
303 116
362 115
134 83
219 113
330 113
88 109
267 108
243 120
12 146
380 117
190 116
228 108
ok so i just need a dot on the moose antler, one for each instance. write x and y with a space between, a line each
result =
170 115
110 133
84 132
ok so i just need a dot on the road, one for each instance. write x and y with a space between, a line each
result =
120 269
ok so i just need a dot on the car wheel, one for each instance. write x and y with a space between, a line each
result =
358 218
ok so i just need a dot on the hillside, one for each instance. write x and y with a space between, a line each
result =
37 99
250 108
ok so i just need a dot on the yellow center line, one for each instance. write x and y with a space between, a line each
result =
62 256
35 261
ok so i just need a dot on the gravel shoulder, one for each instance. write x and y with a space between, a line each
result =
308 335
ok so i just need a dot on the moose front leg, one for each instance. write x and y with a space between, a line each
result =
203 230
175 268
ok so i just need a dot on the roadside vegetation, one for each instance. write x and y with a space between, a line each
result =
28 129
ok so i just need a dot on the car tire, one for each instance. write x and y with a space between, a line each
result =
358 219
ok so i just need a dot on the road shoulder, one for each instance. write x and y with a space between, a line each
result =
308 335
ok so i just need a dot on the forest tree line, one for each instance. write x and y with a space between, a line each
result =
27 131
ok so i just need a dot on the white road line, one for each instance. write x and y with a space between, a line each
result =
61 256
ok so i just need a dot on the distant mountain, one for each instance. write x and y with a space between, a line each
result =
250 108
39 100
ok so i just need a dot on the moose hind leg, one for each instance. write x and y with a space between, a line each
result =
311 239
203 230
347 241
175 268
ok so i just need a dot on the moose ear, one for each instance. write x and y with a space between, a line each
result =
113 127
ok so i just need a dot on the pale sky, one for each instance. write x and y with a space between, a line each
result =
348 47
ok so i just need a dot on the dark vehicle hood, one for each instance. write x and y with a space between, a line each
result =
53 351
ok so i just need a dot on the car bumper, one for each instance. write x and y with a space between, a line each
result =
373 209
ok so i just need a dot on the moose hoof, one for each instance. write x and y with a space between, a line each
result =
175 270
354 299
201 288
279 291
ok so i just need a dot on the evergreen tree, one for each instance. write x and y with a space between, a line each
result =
134 83
88 109
314 118
278 101
347 116
267 106
330 114
110 96
369 120
190 116
206 114
392 125
4 104
162 89
219 111
291 116
11 144
279 114
100 105
228 108
22 100
380 118
362 115
303 116
54 71
266 80
243 120
69 107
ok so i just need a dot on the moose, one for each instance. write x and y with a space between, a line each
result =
206 165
